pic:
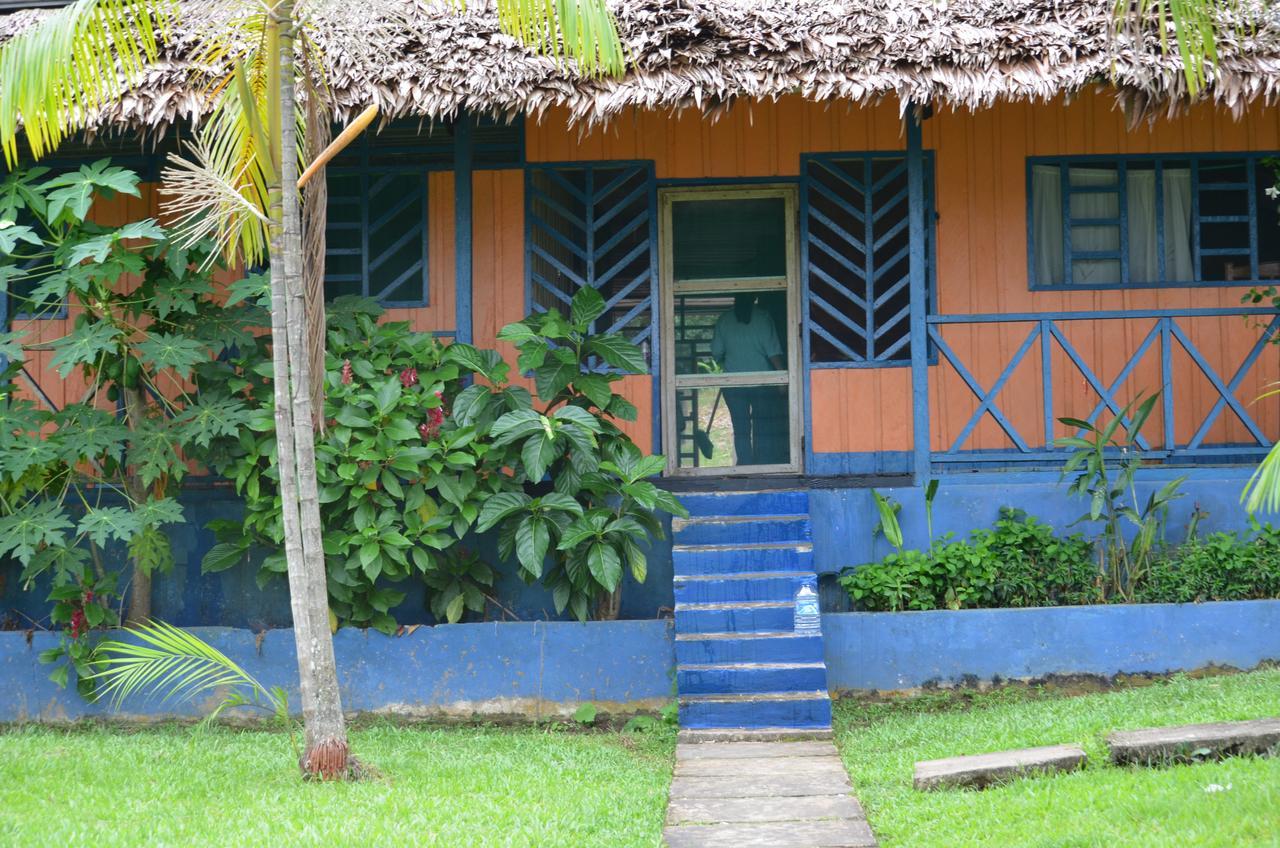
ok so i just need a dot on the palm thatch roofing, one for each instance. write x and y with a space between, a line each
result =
429 59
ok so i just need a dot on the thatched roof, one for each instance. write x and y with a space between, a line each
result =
706 54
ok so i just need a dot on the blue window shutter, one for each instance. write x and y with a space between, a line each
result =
376 236
594 224
854 210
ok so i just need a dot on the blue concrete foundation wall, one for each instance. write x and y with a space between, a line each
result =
844 518
910 650
233 598
842 521
524 670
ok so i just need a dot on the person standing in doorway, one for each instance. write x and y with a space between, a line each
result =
745 339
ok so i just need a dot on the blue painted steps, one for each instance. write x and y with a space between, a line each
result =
740 558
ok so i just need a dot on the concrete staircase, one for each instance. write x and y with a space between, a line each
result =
743 673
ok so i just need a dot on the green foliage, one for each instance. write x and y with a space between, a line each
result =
459 584
1123 557
1018 563
585 714
1021 562
401 481
584 499
174 664
1219 567
426 444
96 477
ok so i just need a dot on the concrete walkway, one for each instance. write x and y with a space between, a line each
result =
757 794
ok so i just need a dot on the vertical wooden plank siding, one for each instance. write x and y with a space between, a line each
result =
982 268
982 255
981 249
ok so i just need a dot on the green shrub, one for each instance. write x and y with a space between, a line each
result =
1021 562
1017 563
1219 567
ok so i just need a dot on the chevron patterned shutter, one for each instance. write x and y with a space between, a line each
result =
593 224
854 208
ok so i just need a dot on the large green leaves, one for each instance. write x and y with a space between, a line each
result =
86 345
72 194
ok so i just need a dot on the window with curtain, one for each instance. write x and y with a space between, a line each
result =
1146 221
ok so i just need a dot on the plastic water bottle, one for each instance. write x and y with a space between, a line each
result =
806 616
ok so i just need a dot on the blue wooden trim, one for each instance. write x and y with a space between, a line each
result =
806 441
677 182
1195 220
462 222
1046 380
987 400
1224 393
1129 366
869 276
1166 381
1164 331
921 465
1122 176
1091 315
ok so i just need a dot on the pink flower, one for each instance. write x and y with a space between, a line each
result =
409 377
347 375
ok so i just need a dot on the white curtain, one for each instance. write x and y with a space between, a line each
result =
1144 264
1178 267
1046 227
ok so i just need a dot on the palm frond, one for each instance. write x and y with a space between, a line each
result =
55 76
206 203
581 30
1195 26
173 664
1262 493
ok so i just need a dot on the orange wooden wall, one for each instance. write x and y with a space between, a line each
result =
982 255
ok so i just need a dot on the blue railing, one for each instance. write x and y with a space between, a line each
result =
1044 333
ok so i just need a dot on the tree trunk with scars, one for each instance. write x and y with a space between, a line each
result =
326 752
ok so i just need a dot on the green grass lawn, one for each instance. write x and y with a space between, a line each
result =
438 786
1102 805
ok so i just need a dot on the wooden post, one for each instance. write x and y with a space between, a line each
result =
462 170
918 287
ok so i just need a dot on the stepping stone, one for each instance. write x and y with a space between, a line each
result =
739 810
1191 742
775 794
754 750
770 766
985 769
796 834
756 786
694 736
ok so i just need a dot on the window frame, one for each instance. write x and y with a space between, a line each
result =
1252 160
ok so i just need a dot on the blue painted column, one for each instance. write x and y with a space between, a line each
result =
462 168
918 286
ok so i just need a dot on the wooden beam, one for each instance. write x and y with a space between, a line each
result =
339 144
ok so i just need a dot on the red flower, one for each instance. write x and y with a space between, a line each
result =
347 375
409 377
429 428
88 596
78 624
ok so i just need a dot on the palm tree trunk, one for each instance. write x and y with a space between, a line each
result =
325 753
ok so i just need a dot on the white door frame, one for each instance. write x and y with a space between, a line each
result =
668 287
